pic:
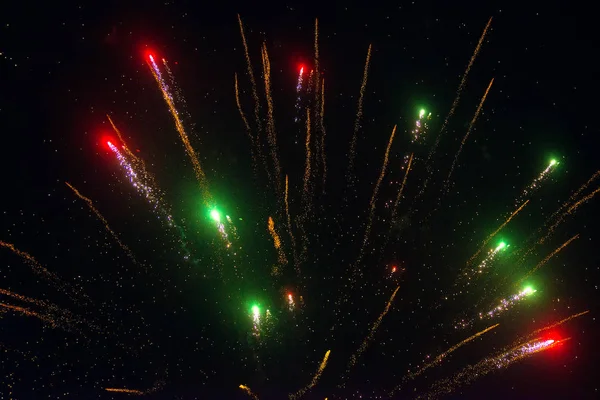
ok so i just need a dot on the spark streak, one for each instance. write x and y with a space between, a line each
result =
271 133
322 124
29 313
164 88
491 236
289 226
400 191
307 169
562 321
459 91
467 134
370 336
359 112
373 201
126 391
104 221
248 392
491 364
538 181
314 380
277 242
548 257
440 358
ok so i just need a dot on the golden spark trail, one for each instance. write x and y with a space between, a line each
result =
104 221
37 267
127 391
248 392
307 169
123 143
29 313
576 194
359 112
373 200
441 357
289 226
316 45
200 176
22 298
399 196
491 236
277 242
252 80
314 380
369 337
76 294
562 321
239 106
545 260
468 132
322 124
459 91
271 134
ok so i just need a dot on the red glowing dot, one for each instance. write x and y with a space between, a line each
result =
289 296
394 268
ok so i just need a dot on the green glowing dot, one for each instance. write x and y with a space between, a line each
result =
553 162
501 245
255 310
214 214
529 290
421 113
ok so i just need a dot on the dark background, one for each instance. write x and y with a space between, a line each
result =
63 67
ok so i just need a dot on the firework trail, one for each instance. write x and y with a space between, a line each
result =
459 91
164 88
271 134
537 182
576 194
548 257
487 260
126 391
314 380
490 364
317 45
127 151
322 125
289 226
307 170
399 196
252 79
554 325
244 119
277 244
569 212
373 200
447 185
299 93
29 313
248 392
359 112
369 337
491 236
440 358
76 294
503 305
104 221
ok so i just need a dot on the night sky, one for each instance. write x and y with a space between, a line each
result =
167 309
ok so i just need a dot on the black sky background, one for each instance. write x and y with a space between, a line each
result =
64 66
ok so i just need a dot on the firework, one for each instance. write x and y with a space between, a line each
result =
314 380
461 87
369 337
307 169
484 264
359 112
126 391
290 302
462 143
554 325
167 95
104 221
537 182
548 257
277 242
373 200
400 191
125 148
503 305
420 126
322 125
29 313
215 215
299 93
491 364
248 391
491 236
271 134
438 360
289 226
